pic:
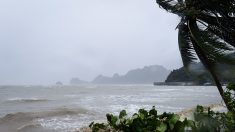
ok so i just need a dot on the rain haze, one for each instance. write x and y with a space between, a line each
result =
44 41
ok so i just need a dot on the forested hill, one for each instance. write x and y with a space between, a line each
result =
199 75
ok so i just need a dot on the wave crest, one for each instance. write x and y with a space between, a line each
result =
27 100
44 114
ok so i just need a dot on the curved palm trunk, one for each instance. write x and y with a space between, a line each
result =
220 88
214 76
206 62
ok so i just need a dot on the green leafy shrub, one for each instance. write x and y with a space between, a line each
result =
205 120
229 96
144 121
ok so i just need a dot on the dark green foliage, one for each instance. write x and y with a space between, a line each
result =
144 121
231 86
148 121
97 126
209 121
205 120
229 96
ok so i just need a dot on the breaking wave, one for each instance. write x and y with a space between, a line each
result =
26 100
60 119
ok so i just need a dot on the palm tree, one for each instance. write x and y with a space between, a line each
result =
206 32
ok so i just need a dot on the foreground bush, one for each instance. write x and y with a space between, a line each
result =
143 121
205 120
150 121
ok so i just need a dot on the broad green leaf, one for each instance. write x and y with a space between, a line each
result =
173 120
122 114
153 111
162 127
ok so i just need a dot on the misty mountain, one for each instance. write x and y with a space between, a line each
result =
148 74
77 81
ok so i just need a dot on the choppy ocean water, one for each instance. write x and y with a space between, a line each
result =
67 108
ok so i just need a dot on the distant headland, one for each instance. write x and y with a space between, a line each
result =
197 75
145 75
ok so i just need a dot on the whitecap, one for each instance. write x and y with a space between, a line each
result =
26 100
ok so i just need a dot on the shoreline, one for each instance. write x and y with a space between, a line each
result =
185 113
188 112
28 125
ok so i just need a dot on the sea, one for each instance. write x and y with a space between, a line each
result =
69 108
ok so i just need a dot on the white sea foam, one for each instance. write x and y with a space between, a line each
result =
32 99
65 123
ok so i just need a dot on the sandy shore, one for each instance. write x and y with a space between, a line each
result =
188 113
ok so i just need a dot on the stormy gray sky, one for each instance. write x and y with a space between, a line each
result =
44 41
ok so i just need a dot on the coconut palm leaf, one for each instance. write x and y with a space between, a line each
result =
188 54
228 37
213 49
172 6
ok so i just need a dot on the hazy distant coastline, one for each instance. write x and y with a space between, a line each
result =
145 75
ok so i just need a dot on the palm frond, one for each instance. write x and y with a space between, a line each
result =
213 50
188 54
200 53
228 37
172 6
216 42
219 22
218 7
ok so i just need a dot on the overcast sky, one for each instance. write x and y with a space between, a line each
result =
44 41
